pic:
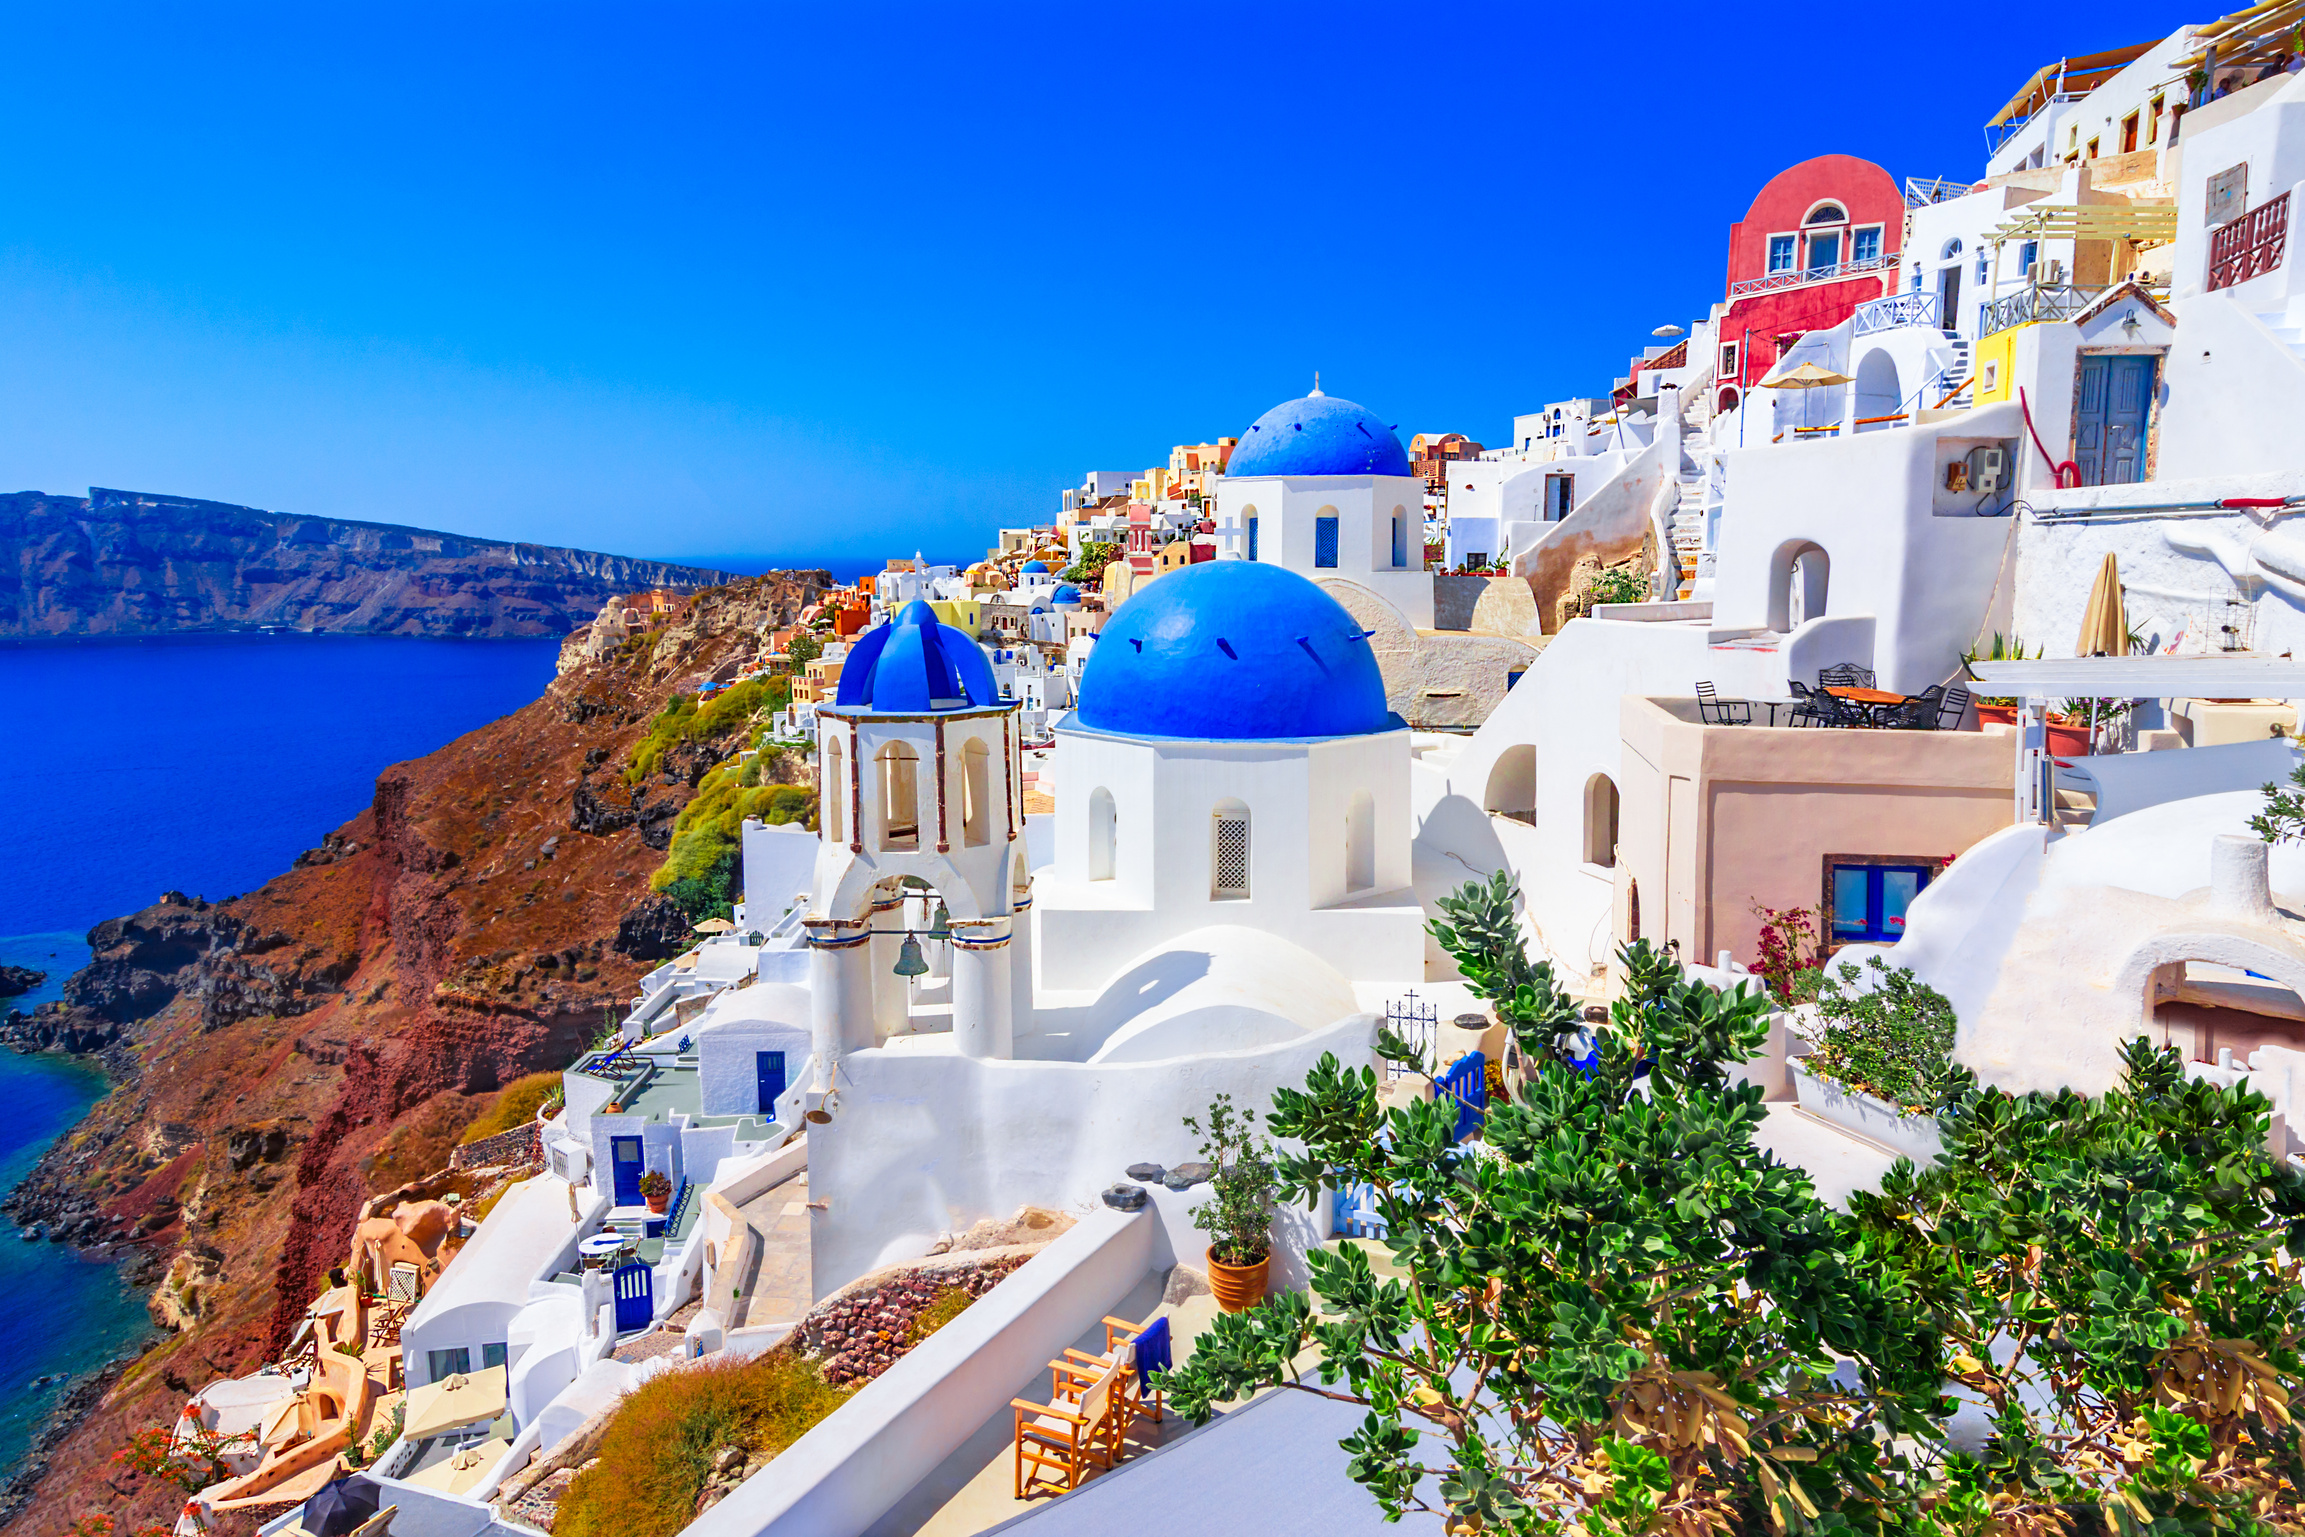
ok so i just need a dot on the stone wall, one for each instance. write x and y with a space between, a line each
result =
519 1148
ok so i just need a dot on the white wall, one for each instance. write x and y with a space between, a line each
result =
777 862
922 1143
1287 508
1164 795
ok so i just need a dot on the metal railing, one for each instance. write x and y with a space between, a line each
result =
2249 246
1800 276
2040 301
1905 309
1921 191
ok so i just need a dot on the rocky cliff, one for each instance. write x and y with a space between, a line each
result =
128 563
279 1057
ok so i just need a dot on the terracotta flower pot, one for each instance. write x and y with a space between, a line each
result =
2068 741
1996 715
1238 1287
657 1203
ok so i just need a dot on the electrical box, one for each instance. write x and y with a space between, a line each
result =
1988 469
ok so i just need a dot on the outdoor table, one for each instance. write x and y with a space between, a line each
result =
1876 702
1773 706
599 1247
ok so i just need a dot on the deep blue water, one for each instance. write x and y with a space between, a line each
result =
201 765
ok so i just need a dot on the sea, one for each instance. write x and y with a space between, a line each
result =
202 765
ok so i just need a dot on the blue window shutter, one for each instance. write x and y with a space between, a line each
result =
1324 541
1252 539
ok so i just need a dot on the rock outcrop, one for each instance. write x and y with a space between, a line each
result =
279 1057
132 563
16 981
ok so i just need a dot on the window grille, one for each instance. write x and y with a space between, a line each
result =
1232 854
1324 541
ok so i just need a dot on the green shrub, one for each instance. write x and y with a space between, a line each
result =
942 1309
1893 1039
1094 557
515 1104
658 1451
683 720
700 869
1619 584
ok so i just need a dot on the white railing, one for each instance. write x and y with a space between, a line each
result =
1905 309
1801 276
1921 191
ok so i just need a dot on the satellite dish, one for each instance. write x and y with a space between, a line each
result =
1666 331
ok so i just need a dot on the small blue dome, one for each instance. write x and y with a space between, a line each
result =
1318 435
1033 568
915 664
1234 651
1065 592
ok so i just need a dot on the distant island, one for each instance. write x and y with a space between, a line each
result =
120 563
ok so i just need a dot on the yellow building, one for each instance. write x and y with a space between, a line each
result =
965 614
818 683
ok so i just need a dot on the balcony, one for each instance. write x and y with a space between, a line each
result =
1802 277
1897 310
2042 301
2249 246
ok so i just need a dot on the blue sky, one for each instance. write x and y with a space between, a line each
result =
766 282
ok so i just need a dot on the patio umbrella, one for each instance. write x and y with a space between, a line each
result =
463 1398
2105 623
1807 376
340 1507
715 926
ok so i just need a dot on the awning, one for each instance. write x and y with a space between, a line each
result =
2238 676
462 1469
2245 37
2068 76
457 1400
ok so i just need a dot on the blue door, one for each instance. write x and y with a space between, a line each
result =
1468 1082
2114 405
624 1160
1869 901
635 1297
770 1066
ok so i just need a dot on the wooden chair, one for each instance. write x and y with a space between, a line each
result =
378 1525
1120 1336
1079 1428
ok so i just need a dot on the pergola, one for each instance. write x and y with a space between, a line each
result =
2034 684
2253 36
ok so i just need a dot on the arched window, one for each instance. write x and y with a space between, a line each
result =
1249 523
1601 821
1103 834
832 791
899 797
976 794
1952 249
1325 539
1798 576
1229 852
1361 842
1400 538
1826 213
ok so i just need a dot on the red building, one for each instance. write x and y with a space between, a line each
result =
1820 239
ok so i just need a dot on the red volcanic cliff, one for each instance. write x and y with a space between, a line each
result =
280 1057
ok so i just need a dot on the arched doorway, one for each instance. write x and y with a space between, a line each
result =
1512 787
1600 840
1878 391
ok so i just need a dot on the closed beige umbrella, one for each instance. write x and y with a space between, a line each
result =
2105 623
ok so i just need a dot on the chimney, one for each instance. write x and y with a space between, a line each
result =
2238 884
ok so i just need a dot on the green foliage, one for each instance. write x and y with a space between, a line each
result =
1785 951
655 1183
1628 583
802 649
942 1309
701 867
1094 557
683 721
1891 1037
2117 1282
2283 819
1239 1212
1481 931
2009 649
1622 1315
516 1104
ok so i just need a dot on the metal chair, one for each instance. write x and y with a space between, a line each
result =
1919 713
1953 709
1845 675
1716 711
1818 708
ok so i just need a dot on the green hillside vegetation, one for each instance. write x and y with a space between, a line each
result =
516 1104
684 720
700 869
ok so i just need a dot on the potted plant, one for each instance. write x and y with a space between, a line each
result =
1882 1066
2073 725
1991 708
656 1190
1238 1214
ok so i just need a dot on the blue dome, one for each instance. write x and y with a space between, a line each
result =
1236 651
1318 435
913 665
1065 592
1033 568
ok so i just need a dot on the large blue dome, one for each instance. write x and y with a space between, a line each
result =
1318 435
1235 651
914 664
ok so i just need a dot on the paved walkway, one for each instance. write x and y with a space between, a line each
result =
780 1291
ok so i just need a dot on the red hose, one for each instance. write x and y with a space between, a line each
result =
2056 469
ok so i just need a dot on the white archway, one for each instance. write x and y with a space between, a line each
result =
1600 839
1512 786
1878 392
1799 574
1102 835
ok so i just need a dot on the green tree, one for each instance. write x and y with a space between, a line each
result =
802 649
1094 557
1620 1314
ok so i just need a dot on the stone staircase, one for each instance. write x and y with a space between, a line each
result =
2288 326
1955 387
1688 528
